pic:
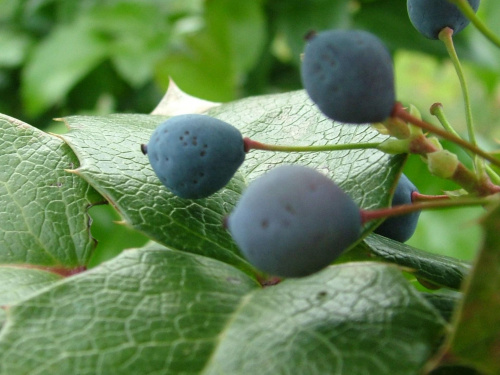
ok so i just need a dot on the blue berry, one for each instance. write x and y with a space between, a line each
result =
195 155
429 17
349 75
401 228
294 221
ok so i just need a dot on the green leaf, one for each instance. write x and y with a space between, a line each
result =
154 310
111 161
109 150
239 28
436 269
331 323
58 63
476 337
43 208
15 46
445 303
136 34
295 18
201 67
18 283
150 310
212 53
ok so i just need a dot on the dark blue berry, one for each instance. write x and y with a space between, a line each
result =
294 221
195 155
401 228
349 75
429 17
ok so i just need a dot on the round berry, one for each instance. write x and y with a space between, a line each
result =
195 155
429 17
349 75
401 228
294 221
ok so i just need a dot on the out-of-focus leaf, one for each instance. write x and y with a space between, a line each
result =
476 337
58 63
137 35
295 19
239 27
14 47
43 208
445 303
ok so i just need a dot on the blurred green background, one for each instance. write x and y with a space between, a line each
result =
60 58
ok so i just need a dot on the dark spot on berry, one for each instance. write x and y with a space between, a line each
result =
193 142
186 132
264 224
290 209
185 144
144 149
203 153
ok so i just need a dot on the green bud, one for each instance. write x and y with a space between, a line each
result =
442 163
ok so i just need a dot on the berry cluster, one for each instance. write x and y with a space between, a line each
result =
294 221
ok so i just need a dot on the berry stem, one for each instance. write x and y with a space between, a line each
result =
369 215
446 36
418 197
467 10
400 112
438 111
255 145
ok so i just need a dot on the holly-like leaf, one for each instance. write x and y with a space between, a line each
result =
476 338
154 310
111 161
150 310
43 208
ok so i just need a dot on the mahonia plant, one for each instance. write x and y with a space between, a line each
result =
261 260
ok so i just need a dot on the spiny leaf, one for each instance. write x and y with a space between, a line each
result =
109 150
43 208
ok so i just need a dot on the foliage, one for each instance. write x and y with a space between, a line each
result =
187 301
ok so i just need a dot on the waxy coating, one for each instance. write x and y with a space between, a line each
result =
349 75
195 155
401 228
429 17
294 221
